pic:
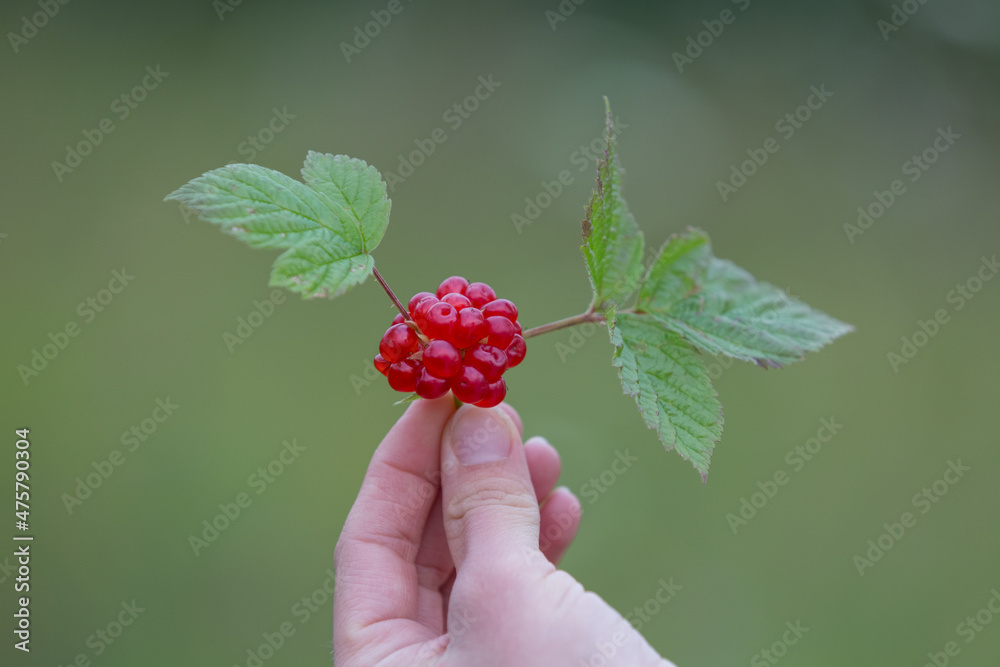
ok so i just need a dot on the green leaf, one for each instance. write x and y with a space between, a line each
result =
266 209
722 309
315 271
328 225
670 385
356 187
613 243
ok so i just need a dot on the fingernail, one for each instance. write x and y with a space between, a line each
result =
480 435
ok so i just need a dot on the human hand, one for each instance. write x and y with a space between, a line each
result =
439 561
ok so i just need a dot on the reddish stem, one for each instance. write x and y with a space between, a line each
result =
589 316
392 295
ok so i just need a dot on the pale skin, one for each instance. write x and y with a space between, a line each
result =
439 562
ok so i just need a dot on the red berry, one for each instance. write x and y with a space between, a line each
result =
480 294
399 342
501 331
517 327
495 394
403 375
442 360
440 320
381 365
429 386
469 386
470 328
501 307
489 360
457 300
399 319
453 284
416 299
420 311
516 351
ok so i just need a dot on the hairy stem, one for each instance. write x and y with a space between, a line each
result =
392 295
589 316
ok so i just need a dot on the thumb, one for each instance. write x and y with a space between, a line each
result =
490 510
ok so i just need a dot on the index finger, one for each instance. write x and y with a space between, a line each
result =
376 581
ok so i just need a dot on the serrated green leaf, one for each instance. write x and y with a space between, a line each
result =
328 226
670 385
722 309
314 271
266 209
613 243
355 186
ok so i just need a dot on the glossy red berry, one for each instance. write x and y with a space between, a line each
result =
516 351
489 360
495 393
417 298
440 320
442 359
461 338
399 342
502 331
429 386
469 386
480 294
459 301
403 375
470 328
455 284
420 311
501 307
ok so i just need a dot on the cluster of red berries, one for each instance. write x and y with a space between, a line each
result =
463 338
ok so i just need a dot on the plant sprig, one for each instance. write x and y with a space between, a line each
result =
660 319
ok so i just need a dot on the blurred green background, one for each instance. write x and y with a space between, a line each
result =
224 75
